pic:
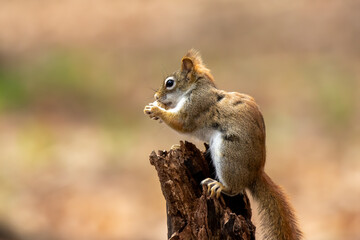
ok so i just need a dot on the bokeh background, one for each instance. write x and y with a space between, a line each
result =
75 76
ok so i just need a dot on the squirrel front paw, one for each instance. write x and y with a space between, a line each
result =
152 110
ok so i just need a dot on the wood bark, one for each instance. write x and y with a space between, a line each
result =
191 213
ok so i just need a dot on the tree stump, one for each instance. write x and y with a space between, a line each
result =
191 213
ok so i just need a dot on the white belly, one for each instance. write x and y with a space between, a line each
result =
204 134
216 142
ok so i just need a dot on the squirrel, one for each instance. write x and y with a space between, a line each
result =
189 102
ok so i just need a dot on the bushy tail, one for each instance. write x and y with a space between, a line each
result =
277 215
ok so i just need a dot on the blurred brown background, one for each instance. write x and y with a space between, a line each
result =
75 76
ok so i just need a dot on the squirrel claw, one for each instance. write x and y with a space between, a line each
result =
149 110
214 187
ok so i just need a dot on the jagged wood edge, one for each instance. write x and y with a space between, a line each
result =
191 214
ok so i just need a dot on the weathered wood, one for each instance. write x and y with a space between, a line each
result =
191 214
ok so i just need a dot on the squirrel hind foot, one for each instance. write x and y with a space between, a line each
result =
215 188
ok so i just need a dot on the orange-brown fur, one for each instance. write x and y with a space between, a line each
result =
234 127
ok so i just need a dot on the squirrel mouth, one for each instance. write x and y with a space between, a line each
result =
166 105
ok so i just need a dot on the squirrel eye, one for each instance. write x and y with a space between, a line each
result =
170 83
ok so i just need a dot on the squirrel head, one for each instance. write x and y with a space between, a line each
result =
191 73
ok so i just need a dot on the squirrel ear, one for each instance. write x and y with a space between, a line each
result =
187 64
192 62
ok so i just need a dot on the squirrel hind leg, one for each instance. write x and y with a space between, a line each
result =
216 187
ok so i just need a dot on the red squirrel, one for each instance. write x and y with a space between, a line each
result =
233 125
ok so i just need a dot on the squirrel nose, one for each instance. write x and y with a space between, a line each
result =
156 96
